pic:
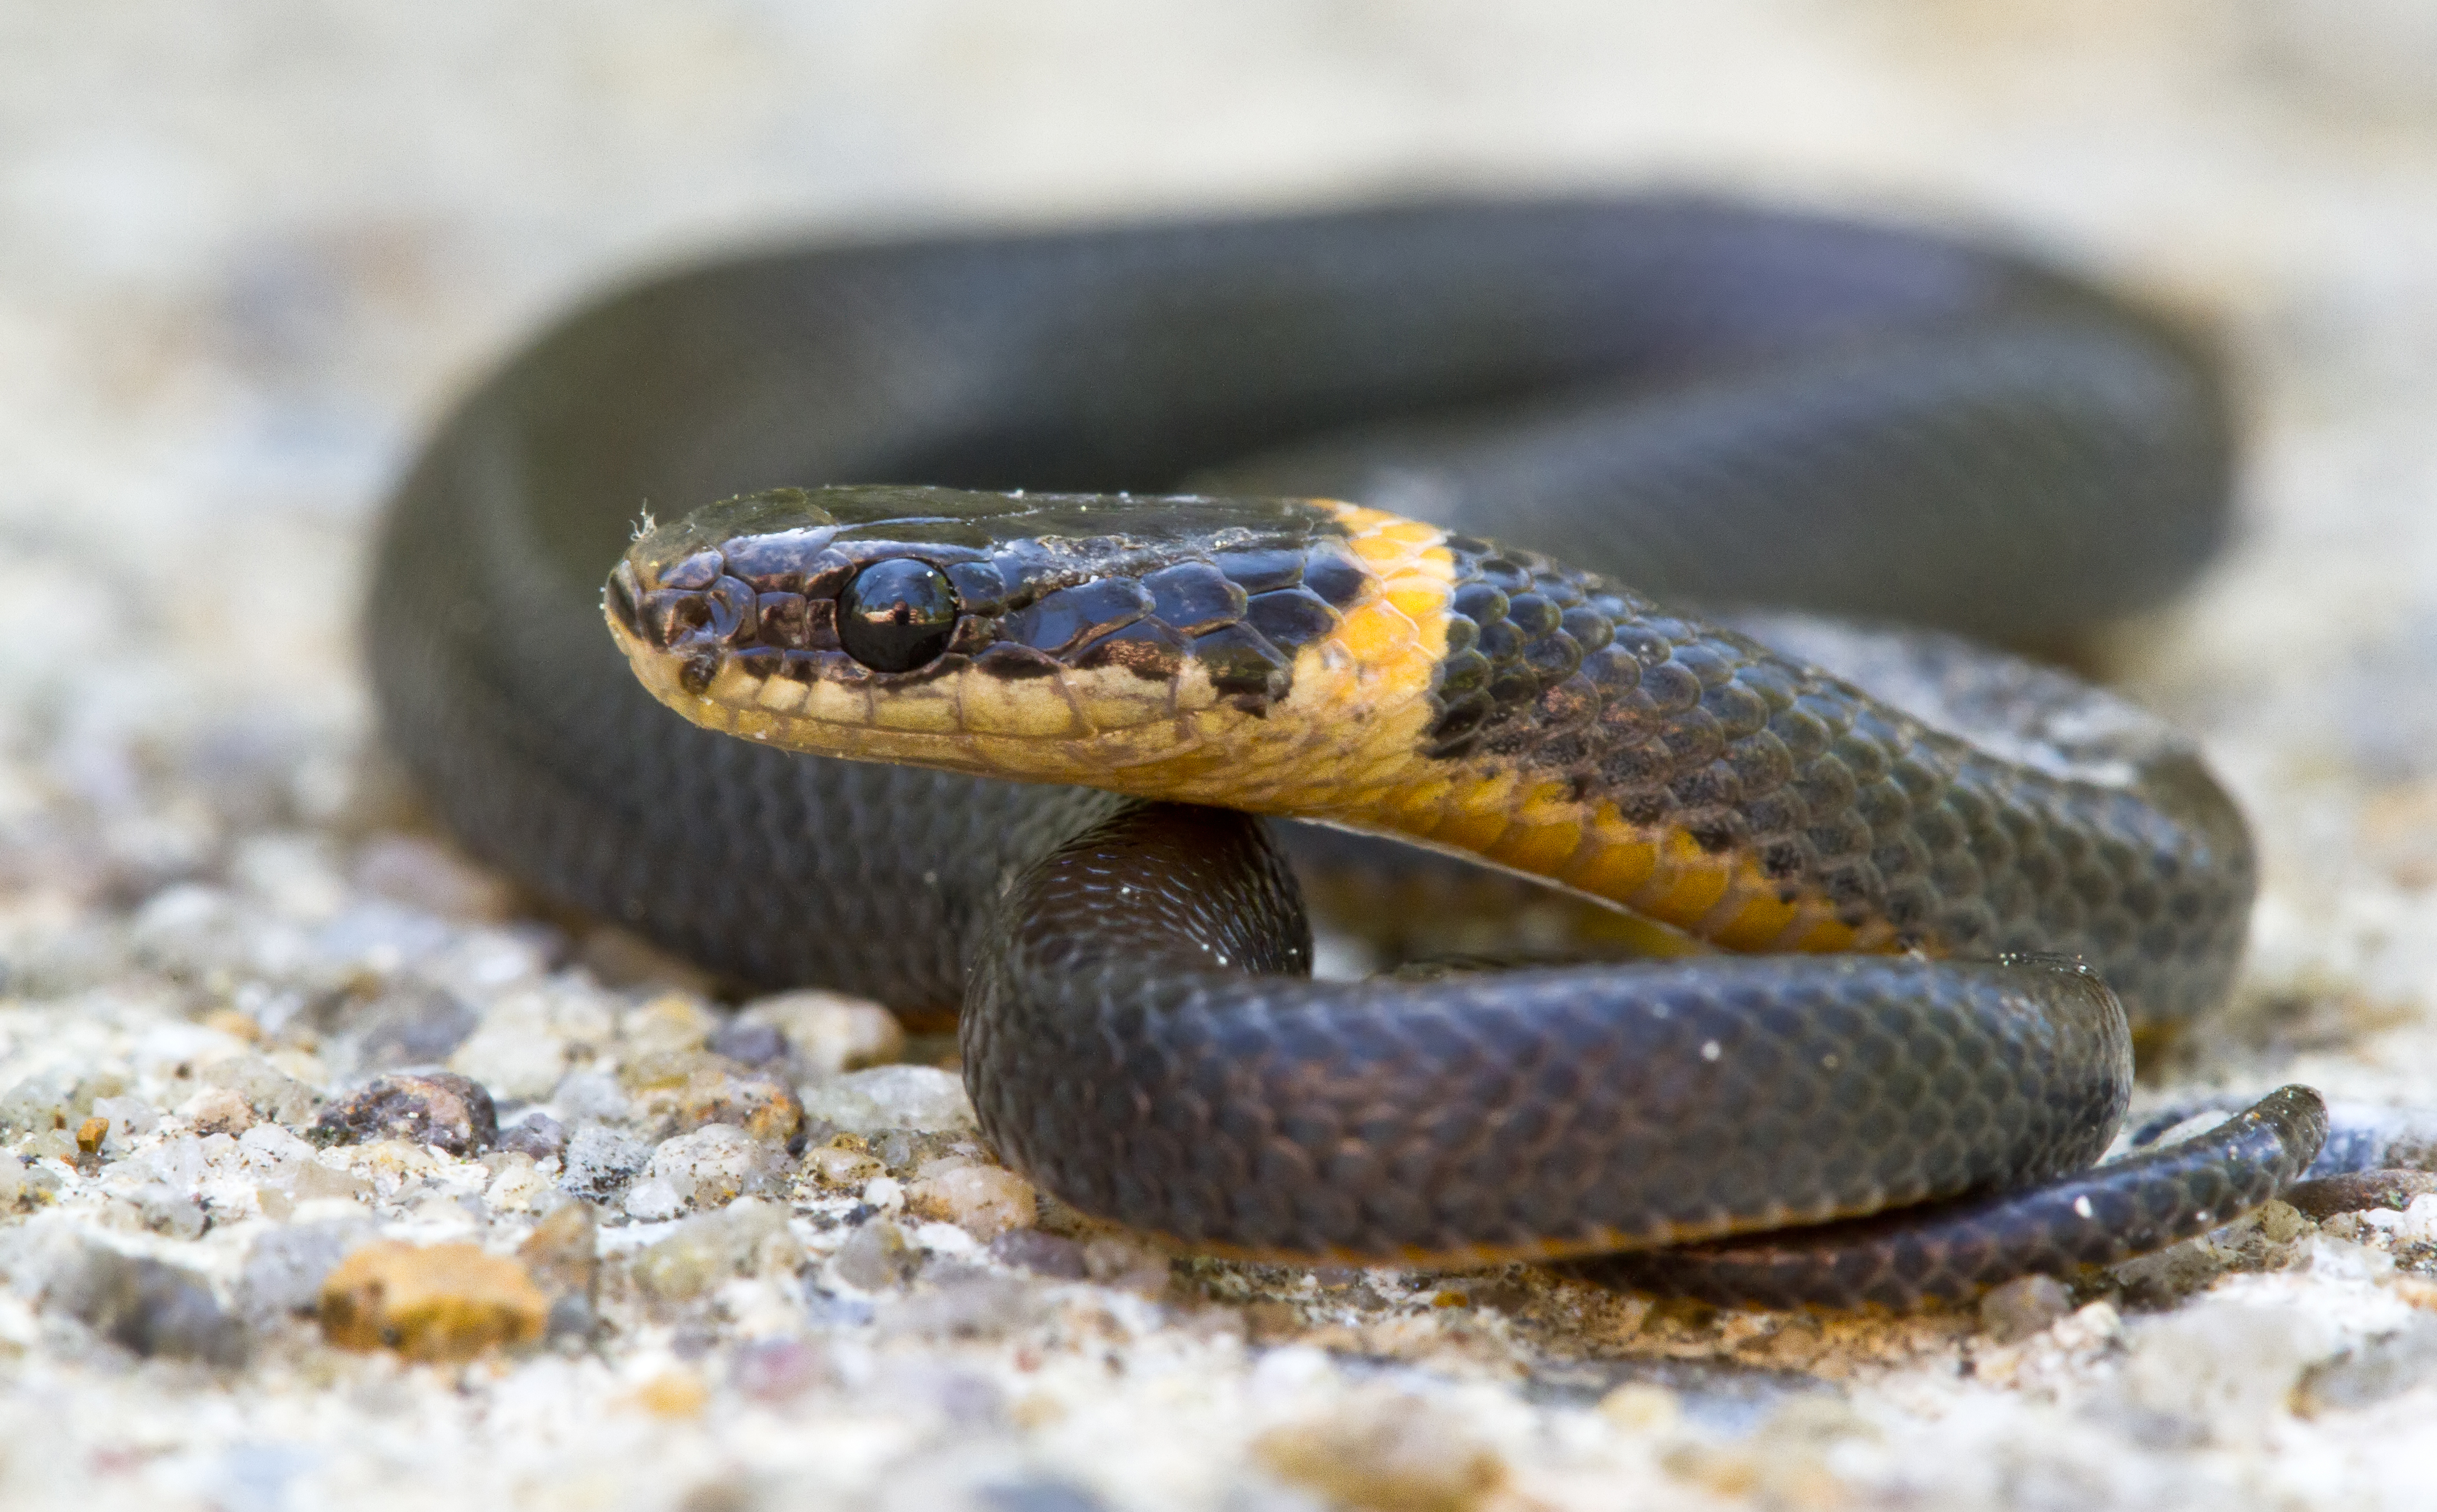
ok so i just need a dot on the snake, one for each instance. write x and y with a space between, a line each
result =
1014 619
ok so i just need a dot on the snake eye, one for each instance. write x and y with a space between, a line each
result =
897 615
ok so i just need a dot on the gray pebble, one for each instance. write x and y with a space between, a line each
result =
750 1043
2023 1306
876 1259
600 1161
537 1135
147 1306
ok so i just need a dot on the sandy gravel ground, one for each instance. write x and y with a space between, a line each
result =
247 251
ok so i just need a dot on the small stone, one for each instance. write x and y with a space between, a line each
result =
875 1257
217 1110
749 1043
1386 1452
439 1302
717 1163
270 1092
127 1118
763 1107
167 1210
147 1306
654 1201
2023 1306
984 1201
1050 1255
709 1249
600 1161
438 1109
892 1096
516 1184
284 1271
50 1144
826 1032
12 1181
526 1038
2359 1191
2370 1373
536 1134
834 1166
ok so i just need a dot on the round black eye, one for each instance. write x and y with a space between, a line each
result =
897 615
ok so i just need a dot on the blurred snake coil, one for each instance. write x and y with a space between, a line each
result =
1047 564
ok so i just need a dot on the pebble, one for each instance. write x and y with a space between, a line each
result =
984 1201
147 1306
2358 1190
875 1257
217 1110
438 1109
600 1161
719 1091
891 1097
833 1165
518 1183
270 1092
439 1302
718 1163
585 1097
166 1210
827 1033
1389 1451
537 1135
2023 1306
710 1249
749 1043
527 1040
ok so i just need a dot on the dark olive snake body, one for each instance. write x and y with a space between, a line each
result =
1703 402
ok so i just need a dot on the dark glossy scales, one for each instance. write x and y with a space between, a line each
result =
1701 400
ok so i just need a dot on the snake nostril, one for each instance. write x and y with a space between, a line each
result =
897 615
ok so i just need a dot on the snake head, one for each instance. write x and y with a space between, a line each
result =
1056 637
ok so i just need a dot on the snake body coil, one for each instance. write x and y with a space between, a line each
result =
1699 399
